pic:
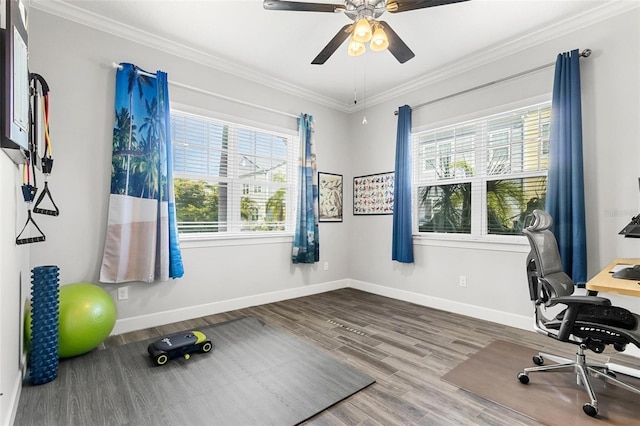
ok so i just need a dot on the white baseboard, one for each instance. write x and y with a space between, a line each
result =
167 317
480 312
624 369
13 397
632 351
161 318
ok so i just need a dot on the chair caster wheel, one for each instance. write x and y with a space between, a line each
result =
619 347
524 379
590 410
538 360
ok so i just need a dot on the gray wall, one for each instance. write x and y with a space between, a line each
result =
76 60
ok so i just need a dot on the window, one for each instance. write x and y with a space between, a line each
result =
482 177
230 178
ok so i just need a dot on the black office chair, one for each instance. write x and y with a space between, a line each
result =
590 322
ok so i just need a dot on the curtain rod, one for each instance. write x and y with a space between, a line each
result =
206 92
584 54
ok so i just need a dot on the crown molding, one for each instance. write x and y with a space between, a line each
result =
73 13
519 44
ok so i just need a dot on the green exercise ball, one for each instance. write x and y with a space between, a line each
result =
87 316
27 325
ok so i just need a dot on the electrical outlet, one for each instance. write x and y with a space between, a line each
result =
326 266
123 293
462 281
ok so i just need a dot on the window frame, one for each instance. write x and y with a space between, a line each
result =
478 238
237 237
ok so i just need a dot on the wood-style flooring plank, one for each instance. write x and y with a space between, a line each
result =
406 347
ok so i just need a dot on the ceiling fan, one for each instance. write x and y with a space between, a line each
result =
365 26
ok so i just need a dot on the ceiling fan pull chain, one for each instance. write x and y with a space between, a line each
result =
364 93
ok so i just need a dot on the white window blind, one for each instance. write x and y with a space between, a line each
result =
484 176
230 178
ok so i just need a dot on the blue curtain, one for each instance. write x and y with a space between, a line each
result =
306 244
167 204
141 243
402 246
565 182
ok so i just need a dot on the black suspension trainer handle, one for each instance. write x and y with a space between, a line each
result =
44 193
29 240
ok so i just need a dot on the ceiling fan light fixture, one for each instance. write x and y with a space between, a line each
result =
355 47
362 31
379 40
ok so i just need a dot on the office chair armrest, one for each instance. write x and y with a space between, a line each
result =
579 300
574 303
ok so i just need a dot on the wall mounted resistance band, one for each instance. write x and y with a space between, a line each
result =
28 240
39 141
41 98
46 193
29 194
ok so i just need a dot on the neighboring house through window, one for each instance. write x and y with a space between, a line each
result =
230 178
482 177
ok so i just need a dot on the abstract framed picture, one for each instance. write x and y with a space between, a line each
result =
373 194
330 197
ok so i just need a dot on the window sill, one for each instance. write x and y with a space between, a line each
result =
188 241
496 243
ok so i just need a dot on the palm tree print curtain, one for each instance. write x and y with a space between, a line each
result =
306 244
142 239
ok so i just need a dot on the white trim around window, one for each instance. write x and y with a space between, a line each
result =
467 158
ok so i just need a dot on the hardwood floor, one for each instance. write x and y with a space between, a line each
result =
406 347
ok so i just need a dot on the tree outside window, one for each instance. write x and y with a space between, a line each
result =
493 168
231 178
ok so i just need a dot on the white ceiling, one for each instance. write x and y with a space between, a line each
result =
277 47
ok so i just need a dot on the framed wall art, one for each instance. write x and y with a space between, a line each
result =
330 197
373 194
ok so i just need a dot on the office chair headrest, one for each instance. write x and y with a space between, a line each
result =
541 221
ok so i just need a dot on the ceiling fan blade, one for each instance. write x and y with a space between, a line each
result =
396 6
302 6
397 47
331 47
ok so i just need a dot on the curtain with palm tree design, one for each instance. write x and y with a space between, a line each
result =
565 181
306 244
142 238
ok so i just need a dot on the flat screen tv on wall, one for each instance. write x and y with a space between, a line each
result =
14 78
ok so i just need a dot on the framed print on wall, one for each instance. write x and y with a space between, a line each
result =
373 194
330 197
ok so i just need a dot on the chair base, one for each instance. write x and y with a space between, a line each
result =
583 371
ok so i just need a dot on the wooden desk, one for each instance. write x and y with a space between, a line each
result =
605 282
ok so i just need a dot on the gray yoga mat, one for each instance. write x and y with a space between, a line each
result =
256 375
